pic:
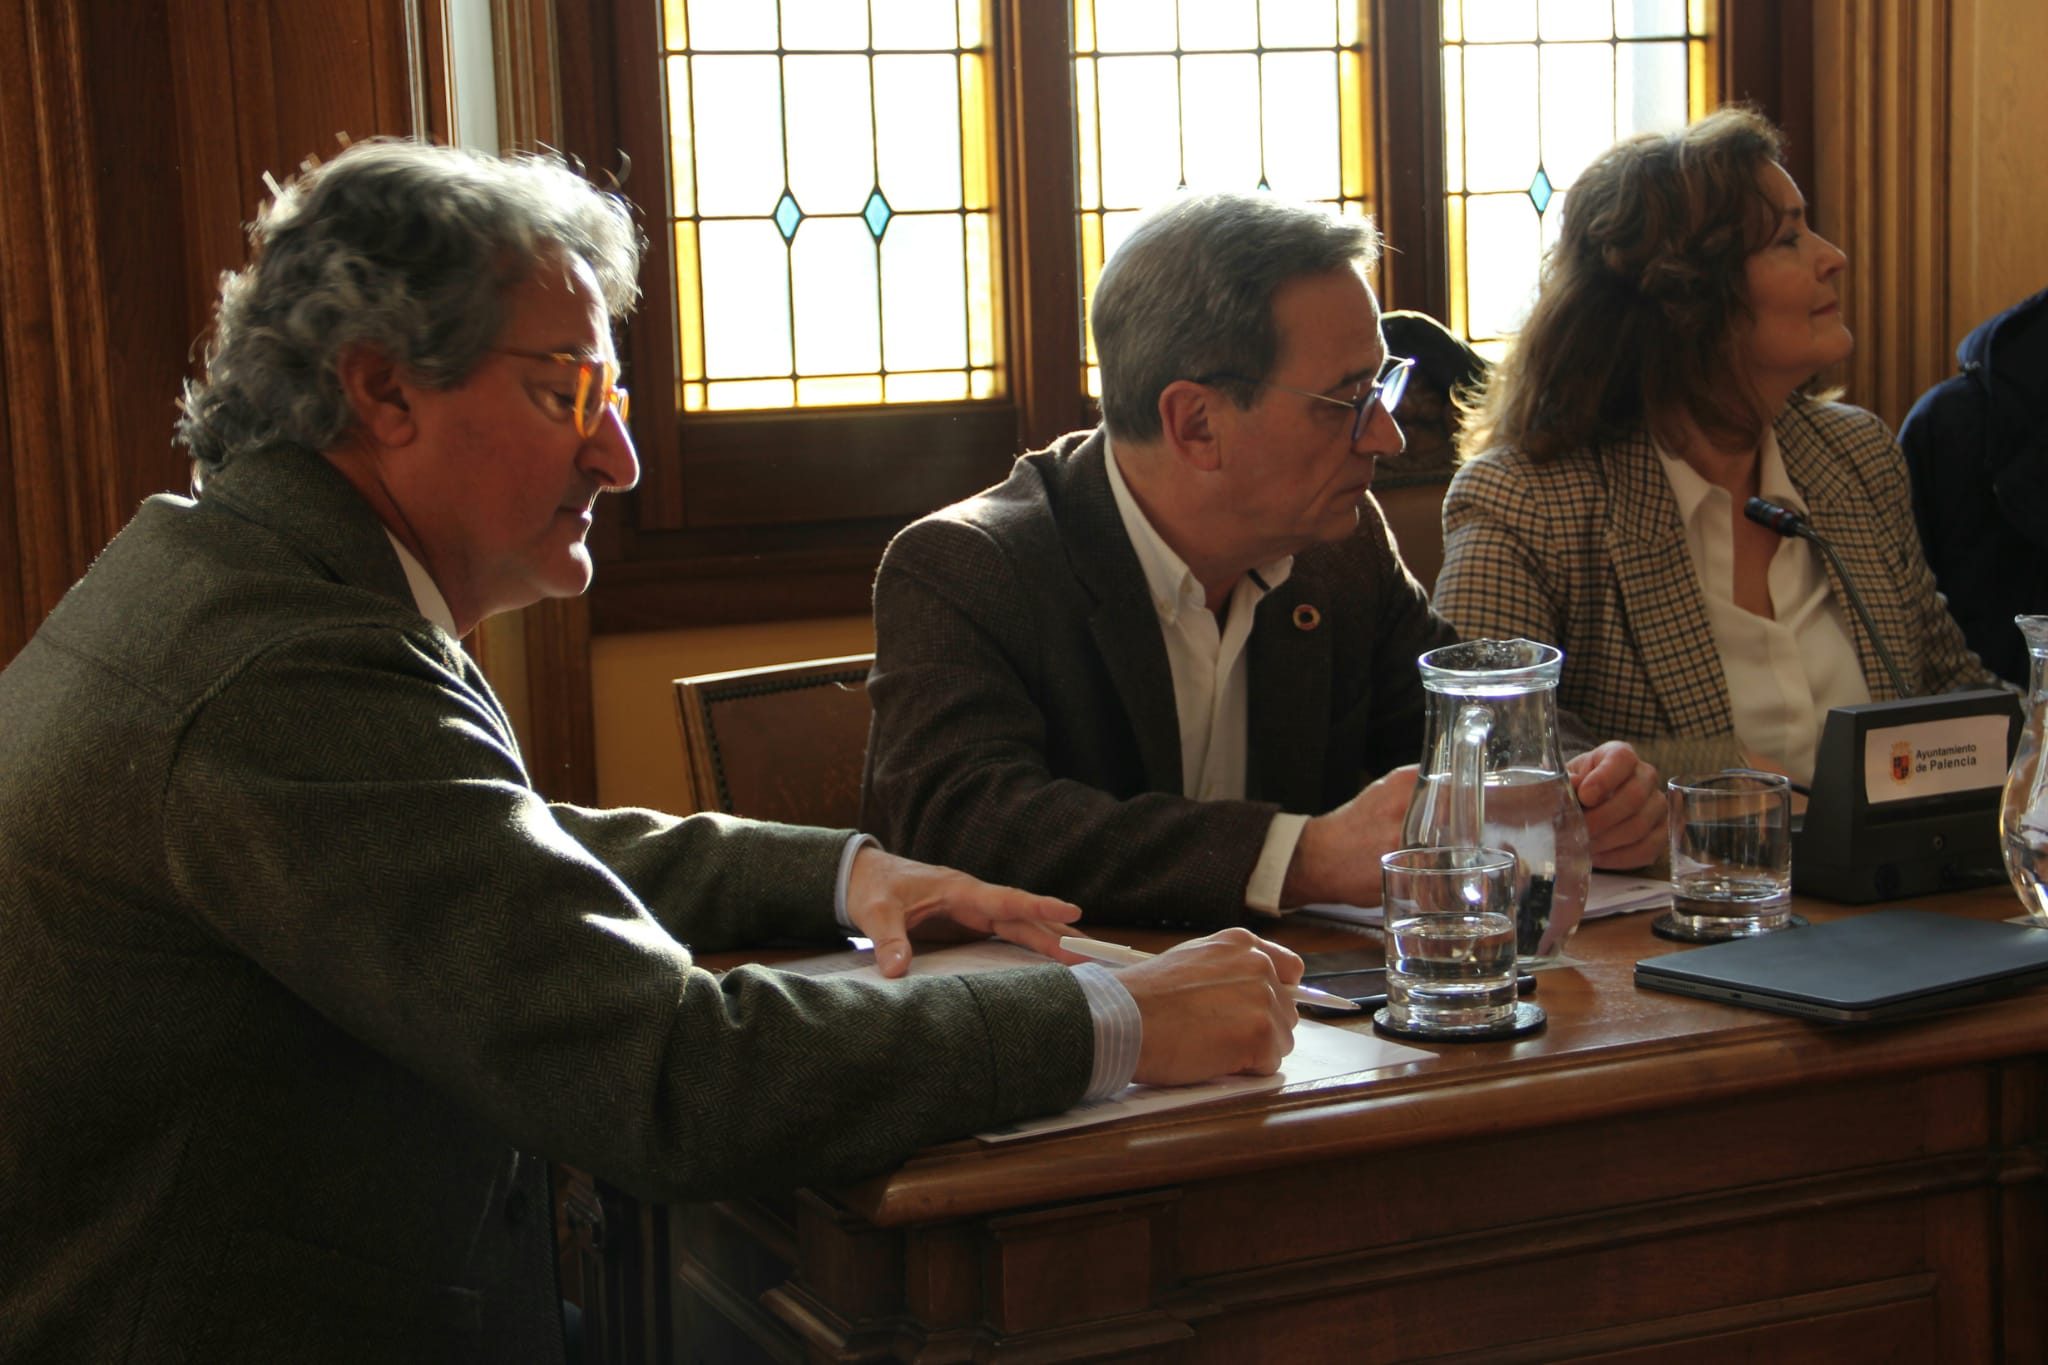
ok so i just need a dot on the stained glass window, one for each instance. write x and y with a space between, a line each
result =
831 202
1533 91
1213 94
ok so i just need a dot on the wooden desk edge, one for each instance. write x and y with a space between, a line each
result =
1748 1053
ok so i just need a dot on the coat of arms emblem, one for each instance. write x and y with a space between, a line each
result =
1902 761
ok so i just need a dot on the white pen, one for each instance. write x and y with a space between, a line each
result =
1117 955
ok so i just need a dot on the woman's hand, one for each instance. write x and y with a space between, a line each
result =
1623 798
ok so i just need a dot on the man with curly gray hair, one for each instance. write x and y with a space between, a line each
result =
303 978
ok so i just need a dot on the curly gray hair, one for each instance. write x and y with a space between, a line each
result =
1190 294
400 246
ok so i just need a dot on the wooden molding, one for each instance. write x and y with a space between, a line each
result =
1034 84
1763 50
529 81
1405 51
1881 134
1997 196
64 494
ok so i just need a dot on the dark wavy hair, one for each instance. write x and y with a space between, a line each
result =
1636 315
398 245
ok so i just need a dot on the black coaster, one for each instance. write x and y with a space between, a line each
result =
1666 925
1528 1019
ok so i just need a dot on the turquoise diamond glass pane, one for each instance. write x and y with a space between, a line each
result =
877 214
787 216
1539 190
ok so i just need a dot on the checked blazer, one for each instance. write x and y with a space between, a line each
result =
301 978
1586 552
1024 724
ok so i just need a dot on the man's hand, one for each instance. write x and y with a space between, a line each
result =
888 898
1623 798
1338 858
1214 1006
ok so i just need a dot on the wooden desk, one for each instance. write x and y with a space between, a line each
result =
1652 1179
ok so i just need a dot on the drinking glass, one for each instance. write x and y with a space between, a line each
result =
1450 925
1731 856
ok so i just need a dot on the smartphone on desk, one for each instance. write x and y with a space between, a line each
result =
1367 986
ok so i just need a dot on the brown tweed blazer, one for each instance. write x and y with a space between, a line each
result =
1586 552
300 975
1024 722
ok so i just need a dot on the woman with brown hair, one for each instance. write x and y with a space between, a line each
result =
1657 386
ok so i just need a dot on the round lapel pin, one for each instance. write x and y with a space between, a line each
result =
1307 617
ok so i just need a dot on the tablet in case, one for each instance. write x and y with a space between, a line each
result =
1882 965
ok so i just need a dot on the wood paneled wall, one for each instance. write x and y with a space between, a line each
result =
92 286
133 140
1881 90
1932 174
1997 199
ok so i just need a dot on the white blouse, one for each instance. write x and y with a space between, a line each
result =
1783 675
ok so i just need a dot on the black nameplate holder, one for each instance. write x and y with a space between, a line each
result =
1905 796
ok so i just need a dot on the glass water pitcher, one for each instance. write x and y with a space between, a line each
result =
2023 814
1493 773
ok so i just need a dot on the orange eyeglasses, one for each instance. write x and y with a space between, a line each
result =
595 379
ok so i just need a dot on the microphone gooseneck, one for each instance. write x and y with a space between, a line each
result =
1789 523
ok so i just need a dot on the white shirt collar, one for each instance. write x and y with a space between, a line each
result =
425 596
1172 585
1691 488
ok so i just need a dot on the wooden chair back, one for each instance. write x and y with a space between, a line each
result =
784 742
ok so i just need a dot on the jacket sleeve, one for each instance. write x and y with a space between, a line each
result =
958 767
348 813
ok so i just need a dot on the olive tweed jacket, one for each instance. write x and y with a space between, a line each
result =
300 977
1024 723
1587 552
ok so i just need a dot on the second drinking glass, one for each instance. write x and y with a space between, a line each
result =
1450 926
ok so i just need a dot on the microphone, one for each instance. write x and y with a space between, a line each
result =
1790 524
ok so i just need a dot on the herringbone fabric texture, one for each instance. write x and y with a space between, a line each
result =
1587 552
298 967
1024 710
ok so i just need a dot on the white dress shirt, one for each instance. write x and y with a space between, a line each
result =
1783 674
1211 681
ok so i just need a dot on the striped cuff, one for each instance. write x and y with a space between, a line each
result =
1119 1030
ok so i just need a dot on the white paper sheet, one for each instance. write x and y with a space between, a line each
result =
1611 893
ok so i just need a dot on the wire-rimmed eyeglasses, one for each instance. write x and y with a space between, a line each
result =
1386 390
595 379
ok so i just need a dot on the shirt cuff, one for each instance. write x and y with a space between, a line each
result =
853 846
1119 1030
1269 875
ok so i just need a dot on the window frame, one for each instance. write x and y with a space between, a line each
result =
782 514
777 514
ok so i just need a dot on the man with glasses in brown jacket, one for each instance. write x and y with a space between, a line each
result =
1167 668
